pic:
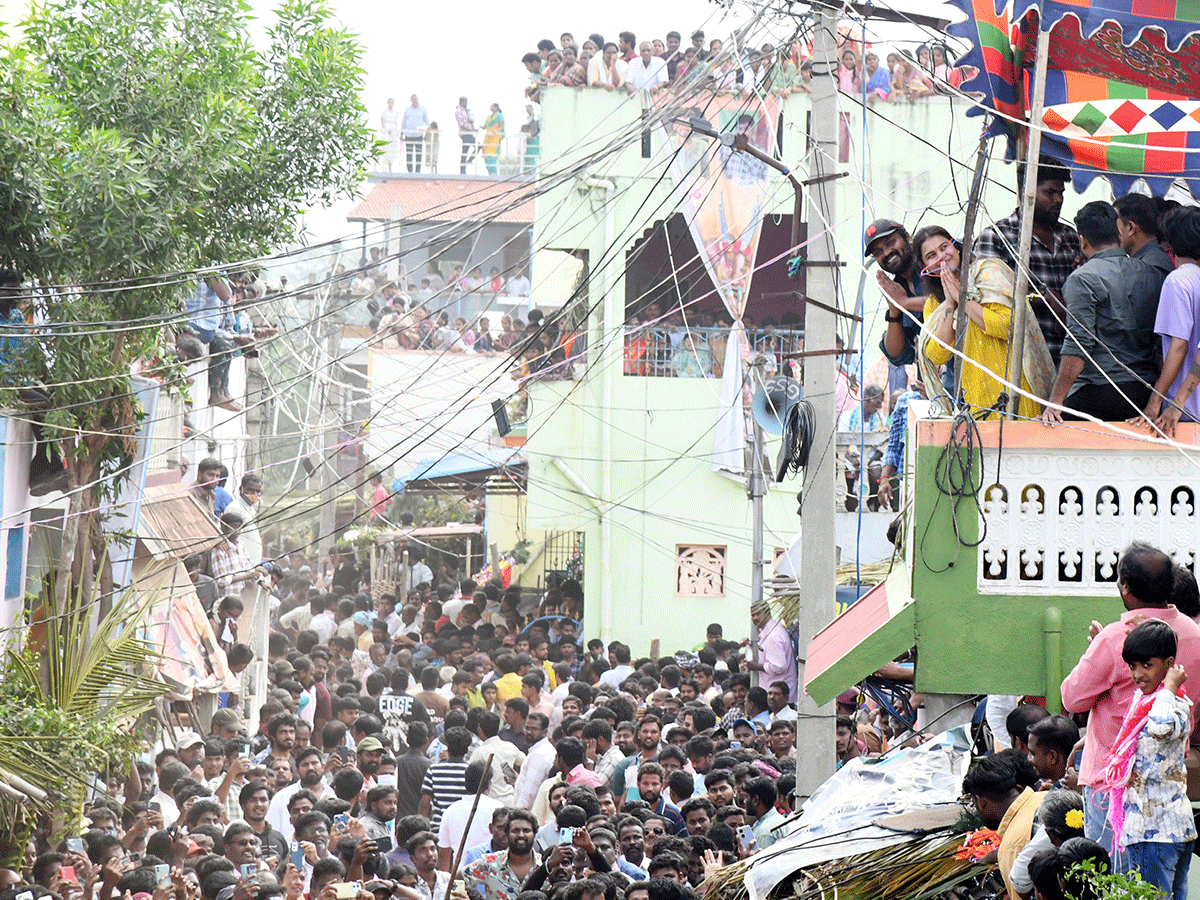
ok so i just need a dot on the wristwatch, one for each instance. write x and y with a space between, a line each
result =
896 318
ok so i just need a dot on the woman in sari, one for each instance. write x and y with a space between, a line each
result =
989 316
493 131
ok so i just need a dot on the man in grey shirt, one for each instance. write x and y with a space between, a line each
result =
412 125
1108 359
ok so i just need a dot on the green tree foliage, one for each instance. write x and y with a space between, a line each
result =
144 139
70 701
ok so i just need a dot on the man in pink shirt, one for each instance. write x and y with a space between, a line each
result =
569 760
1100 682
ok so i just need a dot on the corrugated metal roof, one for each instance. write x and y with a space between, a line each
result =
173 523
432 199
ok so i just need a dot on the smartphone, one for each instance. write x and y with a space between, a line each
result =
67 873
24 895
154 806
341 819
134 857
297 855
383 844
458 886
746 836
75 845
249 870
734 745
509 772
347 890
566 835
245 754
161 871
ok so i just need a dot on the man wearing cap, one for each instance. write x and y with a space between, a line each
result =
189 750
227 724
776 659
888 243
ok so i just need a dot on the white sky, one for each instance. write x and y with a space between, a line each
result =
473 47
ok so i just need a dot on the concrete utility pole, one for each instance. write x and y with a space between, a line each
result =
815 737
756 487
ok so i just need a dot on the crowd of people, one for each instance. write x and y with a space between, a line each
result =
629 66
600 774
691 343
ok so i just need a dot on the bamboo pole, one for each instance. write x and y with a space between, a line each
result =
1028 198
462 844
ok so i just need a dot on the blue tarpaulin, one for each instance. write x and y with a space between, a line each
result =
459 464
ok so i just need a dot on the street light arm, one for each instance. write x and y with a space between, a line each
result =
742 142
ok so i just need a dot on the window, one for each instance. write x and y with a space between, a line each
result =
700 570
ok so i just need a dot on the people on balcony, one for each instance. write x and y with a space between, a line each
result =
988 306
607 70
692 359
1108 358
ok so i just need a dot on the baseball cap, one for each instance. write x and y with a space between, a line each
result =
188 739
880 228
369 743
227 718
283 668
752 725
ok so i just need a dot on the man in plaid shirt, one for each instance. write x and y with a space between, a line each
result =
1053 254
230 564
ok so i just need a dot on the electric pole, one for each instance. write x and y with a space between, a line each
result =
815 732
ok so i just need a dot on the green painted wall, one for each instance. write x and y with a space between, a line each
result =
970 643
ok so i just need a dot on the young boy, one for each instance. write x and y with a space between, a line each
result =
1150 812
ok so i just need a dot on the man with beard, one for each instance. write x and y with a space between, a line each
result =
310 768
624 780
888 243
255 800
369 755
650 781
381 809
1051 256
281 732
498 876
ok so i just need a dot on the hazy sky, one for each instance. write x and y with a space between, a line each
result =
441 51
474 48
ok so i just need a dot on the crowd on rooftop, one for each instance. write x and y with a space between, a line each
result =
629 66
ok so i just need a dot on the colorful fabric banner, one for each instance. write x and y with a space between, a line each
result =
722 193
1118 89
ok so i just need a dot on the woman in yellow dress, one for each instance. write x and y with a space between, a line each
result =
989 319
493 131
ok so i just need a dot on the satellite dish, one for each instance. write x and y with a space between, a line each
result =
772 401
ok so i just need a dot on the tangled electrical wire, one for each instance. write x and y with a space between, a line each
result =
799 428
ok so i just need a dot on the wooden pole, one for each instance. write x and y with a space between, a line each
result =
462 844
1028 198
